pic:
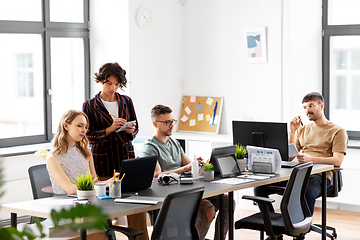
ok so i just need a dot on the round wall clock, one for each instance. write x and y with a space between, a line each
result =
144 17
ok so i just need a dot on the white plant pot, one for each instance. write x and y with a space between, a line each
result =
208 175
241 163
88 194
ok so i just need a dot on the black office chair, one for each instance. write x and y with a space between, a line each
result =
177 216
294 219
333 191
39 178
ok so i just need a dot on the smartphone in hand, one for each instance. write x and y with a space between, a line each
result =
292 150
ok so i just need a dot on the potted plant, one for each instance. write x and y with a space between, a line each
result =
240 154
85 185
208 171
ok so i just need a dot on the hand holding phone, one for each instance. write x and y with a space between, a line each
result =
292 150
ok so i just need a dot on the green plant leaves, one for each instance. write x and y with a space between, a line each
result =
84 181
81 217
12 233
208 167
240 152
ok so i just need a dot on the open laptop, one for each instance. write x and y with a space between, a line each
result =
292 151
226 150
139 173
227 165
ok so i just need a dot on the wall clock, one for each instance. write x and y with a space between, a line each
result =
144 17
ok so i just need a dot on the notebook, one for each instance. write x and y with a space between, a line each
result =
139 173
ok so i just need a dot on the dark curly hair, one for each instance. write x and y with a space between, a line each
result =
313 96
159 110
111 69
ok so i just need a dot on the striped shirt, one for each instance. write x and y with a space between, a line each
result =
109 151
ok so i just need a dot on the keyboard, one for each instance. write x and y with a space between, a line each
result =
288 164
127 200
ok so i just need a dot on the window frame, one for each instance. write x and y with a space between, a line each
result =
328 32
47 30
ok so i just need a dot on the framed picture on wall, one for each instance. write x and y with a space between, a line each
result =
255 45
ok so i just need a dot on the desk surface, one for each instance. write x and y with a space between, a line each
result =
43 207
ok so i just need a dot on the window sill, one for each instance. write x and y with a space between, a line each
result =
23 150
355 144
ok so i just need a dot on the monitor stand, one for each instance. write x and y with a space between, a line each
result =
258 139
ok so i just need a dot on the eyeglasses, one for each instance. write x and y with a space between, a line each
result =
309 106
168 123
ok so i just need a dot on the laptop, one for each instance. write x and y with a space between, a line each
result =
292 151
139 173
228 166
227 150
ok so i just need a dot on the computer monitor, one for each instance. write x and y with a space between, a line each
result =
262 134
220 151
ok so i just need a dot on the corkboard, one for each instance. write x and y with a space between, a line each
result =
197 114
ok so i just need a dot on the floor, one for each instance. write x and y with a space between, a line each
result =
346 223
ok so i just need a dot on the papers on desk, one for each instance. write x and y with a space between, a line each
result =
257 176
233 181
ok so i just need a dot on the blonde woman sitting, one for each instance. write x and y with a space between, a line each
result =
71 156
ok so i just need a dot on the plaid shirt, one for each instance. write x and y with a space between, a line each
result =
109 151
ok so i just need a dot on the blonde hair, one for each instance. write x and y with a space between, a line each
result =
60 144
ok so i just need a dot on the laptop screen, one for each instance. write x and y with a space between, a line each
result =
227 150
227 165
139 173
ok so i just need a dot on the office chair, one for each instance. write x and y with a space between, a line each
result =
39 178
177 216
333 191
294 219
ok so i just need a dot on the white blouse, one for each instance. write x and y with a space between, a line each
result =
73 163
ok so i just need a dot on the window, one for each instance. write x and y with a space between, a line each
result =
341 63
44 63
25 75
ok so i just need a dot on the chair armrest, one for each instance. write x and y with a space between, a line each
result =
258 199
263 203
129 232
337 181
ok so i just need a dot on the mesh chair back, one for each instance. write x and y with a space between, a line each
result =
294 208
39 178
177 216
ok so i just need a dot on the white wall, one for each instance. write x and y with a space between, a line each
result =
156 59
198 49
109 36
214 62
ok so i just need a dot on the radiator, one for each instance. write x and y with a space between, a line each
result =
15 191
350 193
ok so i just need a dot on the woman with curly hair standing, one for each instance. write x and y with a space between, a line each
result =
108 111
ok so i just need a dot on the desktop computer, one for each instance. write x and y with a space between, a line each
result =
262 134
